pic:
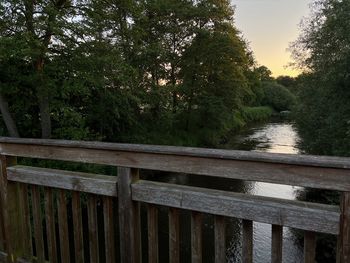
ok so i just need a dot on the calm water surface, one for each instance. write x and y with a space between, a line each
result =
274 138
271 137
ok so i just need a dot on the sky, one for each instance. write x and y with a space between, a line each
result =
269 26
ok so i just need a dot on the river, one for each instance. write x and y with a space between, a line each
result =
273 137
276 137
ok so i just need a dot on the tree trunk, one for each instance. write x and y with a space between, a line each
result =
7 117
44 103
44 106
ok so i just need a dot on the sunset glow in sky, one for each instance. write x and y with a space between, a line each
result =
269 26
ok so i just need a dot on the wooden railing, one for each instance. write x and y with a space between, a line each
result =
42 210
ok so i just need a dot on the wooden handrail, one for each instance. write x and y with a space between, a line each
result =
99 192
331 173
277 158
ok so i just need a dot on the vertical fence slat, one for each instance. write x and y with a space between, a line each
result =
11 214
63 225
2 233
309 247
77 228
343 248
196 237
109 229
129 217
50 225
247 243
5 245
174 235
26 226
93 228
152 223
220 239
38 224
276 244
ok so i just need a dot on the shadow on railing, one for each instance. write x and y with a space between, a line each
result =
42 209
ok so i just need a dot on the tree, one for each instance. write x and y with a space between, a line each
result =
323 51
39 31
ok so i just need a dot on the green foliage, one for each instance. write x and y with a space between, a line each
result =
323 50
257 114
277 96
164 72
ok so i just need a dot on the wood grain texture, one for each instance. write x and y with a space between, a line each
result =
196 237
63 225
38 224
77 228
309 160
10 222
220 239
50 225
109 229
276 244
309 247
343 247
26 226
296 214
129 217
152 231
307 171
75 181
93 229
247 241
174 235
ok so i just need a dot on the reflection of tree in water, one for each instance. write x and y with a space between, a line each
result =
326 244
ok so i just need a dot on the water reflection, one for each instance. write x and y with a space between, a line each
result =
272 137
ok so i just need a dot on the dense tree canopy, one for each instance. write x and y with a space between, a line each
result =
323 50
131 70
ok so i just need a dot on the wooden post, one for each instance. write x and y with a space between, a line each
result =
276 244
11 214
196 237
309 247
174 235
129 217
247 241
343 253
220 239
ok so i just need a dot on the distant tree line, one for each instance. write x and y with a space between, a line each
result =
152 71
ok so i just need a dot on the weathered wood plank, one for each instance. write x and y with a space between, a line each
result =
316 172
75 181
77 228
11 215
309 247
109 229
196 237
2 222
247 241
26 226
38 224
276 244
174 235
343 248
129 217
309 160
220 239
50 225
63 225
152 223
93 228
296 214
